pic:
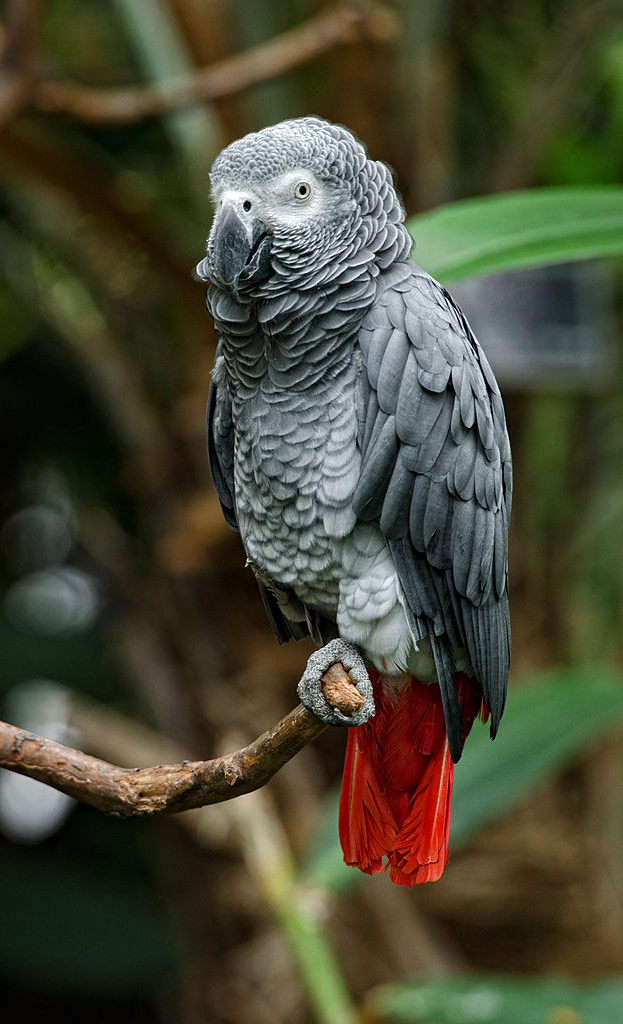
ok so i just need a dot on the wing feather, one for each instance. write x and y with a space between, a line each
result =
436 474
220 438
399 491
392 369
377 472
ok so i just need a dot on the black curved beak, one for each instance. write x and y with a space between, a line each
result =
239 249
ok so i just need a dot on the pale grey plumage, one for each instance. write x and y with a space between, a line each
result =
356 432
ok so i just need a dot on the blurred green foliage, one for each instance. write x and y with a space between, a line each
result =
486 1000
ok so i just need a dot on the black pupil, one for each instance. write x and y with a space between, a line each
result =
246 205
303 190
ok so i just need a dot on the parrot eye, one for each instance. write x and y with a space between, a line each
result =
302 190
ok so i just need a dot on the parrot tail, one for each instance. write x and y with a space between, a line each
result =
397 782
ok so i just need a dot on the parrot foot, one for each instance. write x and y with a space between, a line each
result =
311 692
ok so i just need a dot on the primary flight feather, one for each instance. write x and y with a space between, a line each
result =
357 441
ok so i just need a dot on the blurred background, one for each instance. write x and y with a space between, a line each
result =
129 626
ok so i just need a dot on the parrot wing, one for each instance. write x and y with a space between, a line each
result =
220 439
436 475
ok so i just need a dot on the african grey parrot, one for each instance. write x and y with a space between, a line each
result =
357 441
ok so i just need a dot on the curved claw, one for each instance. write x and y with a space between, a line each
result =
310 686
349 720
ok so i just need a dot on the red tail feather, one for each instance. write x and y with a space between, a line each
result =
397 784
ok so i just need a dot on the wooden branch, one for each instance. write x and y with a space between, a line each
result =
342 24
171 787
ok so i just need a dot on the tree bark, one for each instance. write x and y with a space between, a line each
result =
171 787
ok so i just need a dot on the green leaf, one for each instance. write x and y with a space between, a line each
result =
491 1000
546 724
548 721
519 229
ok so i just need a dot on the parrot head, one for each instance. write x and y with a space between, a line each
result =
293 199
